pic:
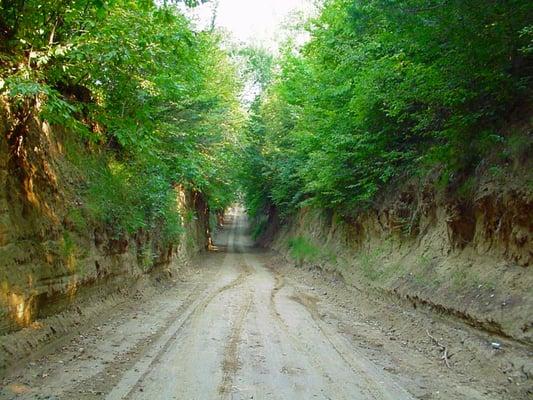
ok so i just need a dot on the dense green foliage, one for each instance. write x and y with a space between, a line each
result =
385 90
158 101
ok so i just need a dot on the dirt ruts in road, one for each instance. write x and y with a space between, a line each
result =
241 327
193 315
231 363
279 282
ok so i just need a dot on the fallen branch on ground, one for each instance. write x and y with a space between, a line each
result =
445 356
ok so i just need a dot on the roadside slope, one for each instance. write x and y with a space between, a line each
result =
467 258
243 324
53 254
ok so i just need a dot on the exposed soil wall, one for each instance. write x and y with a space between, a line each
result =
48 260
469 258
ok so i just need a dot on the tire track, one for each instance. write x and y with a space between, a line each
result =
189 311
136 351
310 305
230 363
302 347
279 282
194 313
246 271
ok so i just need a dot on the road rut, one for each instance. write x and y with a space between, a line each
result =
239 330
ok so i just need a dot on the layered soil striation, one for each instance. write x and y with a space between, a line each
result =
463 255
52 254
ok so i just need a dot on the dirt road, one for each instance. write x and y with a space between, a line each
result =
238 328
247 336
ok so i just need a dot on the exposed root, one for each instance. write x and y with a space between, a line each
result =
445 356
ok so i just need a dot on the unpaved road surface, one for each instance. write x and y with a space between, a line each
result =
238 328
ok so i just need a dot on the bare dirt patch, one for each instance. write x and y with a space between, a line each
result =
391 330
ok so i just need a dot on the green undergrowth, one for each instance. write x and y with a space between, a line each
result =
304 250
146 257
384 268
144 101
259 226
122 195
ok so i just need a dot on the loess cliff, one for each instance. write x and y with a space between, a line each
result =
52 254
468 257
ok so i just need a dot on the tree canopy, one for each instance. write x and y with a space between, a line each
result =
385 90
161 99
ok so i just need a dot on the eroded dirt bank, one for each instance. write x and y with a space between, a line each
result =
54 259
468 258
244 324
